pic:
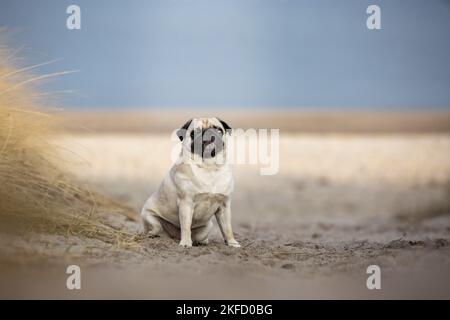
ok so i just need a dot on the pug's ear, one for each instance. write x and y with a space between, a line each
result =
181 133
225 125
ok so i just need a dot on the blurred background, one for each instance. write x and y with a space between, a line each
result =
364 119
240 54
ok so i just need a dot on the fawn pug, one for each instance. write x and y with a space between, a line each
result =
197 187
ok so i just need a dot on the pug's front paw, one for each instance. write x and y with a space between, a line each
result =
233 243
185 243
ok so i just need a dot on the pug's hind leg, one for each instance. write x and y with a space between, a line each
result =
152 226
200 234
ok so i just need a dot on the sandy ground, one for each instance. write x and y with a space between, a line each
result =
339 203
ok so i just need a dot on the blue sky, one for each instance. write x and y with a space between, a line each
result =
240 53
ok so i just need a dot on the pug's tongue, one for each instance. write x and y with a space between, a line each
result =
209 149
208 145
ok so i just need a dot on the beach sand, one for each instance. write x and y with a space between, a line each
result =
340 202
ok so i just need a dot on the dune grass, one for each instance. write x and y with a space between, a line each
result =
35 194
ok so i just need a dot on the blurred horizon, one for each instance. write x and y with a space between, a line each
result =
291 121
232 55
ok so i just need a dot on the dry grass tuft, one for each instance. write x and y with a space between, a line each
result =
35 194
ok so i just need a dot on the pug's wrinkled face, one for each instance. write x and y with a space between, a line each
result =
204 136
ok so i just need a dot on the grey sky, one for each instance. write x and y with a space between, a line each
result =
240 53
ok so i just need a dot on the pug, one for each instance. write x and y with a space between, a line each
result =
197 187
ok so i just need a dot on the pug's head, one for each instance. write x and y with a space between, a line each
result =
204 137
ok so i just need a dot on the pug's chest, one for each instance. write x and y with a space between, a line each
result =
206 205
212 183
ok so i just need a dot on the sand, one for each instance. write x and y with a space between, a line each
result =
339 203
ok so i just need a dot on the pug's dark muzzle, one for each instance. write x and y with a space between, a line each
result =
207 142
